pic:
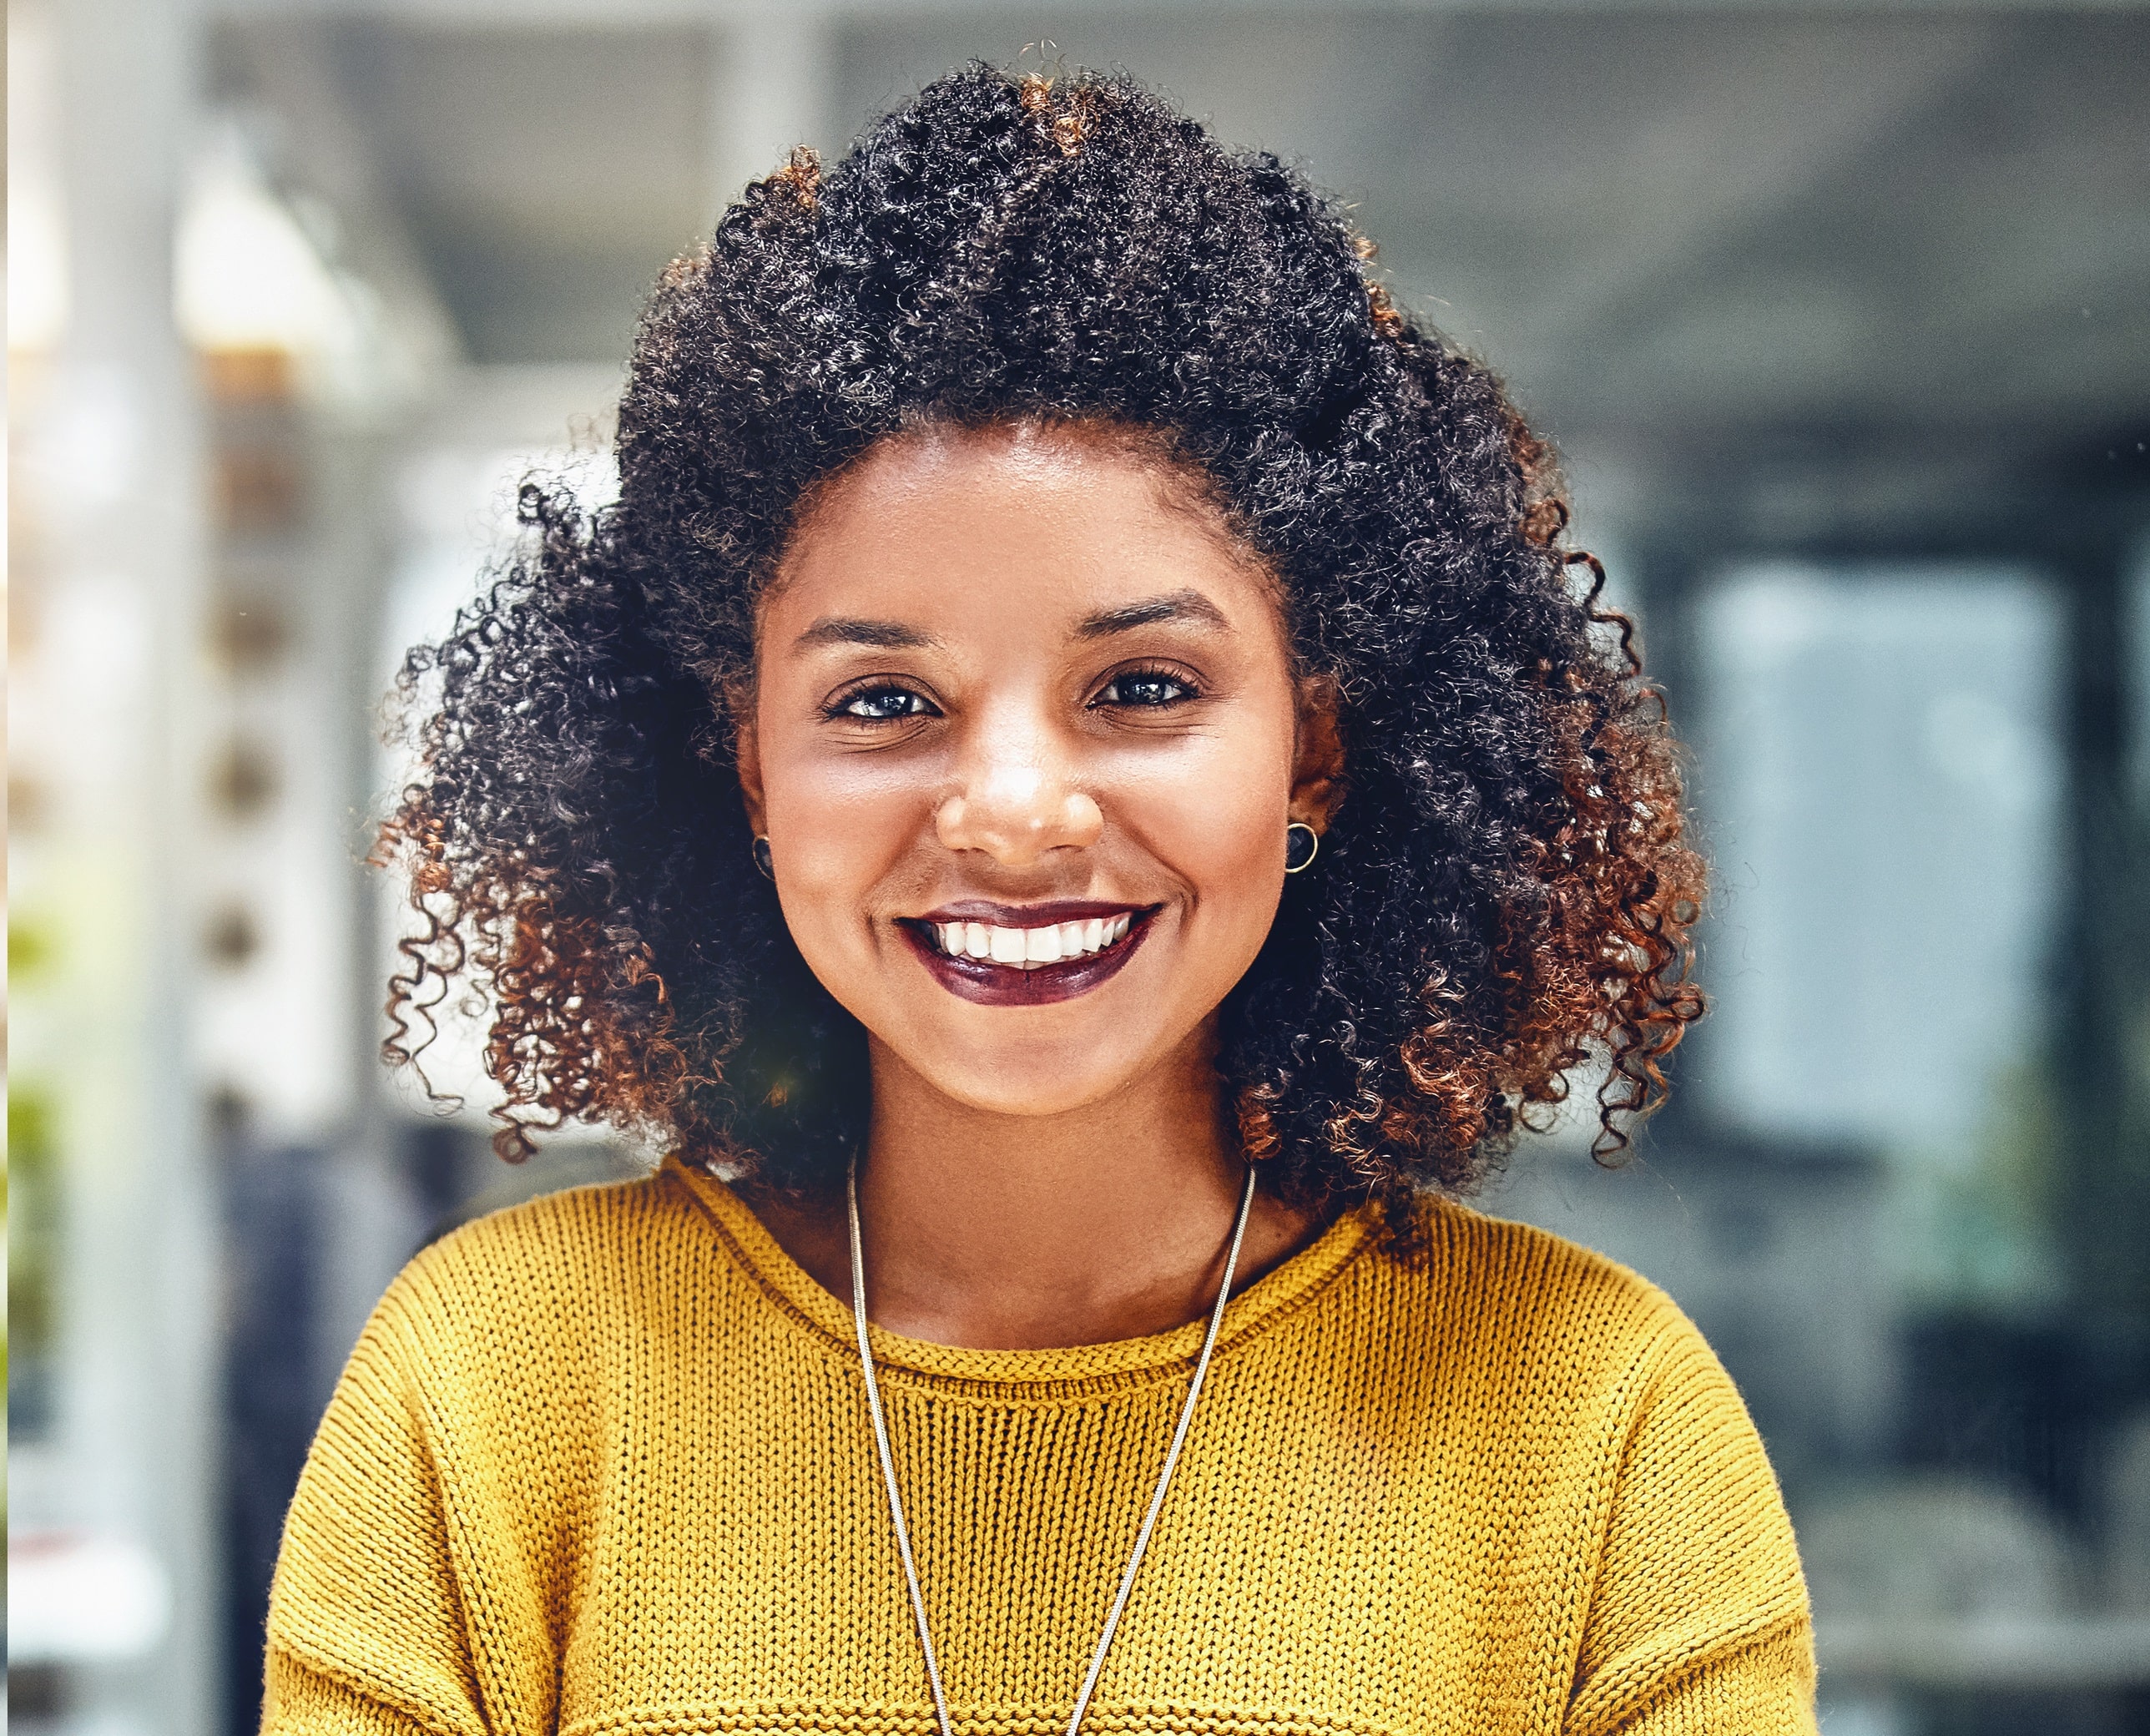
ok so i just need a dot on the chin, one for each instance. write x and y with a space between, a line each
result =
1066 1078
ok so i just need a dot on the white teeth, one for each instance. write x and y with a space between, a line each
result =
1027 948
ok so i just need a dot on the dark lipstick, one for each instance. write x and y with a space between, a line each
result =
987 984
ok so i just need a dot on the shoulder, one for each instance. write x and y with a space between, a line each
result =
1518 1295
567 1268
564 1238
557 1225
1516 1265
1604 1374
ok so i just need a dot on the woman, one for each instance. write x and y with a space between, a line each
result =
1073 794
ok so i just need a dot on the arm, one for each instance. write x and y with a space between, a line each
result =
300 1703
1765 1689
369 1629
1698 1618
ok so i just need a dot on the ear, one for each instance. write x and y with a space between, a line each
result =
1317 780
746 756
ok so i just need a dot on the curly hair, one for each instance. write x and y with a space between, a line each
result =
1505 893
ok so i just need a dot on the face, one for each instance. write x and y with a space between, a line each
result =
1025 740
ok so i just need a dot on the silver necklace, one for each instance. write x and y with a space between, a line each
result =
1156 1500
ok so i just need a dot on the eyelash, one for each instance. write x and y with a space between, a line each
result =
1169 677
839 709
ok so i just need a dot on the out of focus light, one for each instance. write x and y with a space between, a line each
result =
37 222
36 268
247 278
73 1598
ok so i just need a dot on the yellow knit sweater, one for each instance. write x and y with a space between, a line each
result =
602 1464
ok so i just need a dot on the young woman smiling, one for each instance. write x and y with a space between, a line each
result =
1073 795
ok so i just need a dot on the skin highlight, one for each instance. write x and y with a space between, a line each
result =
1001 667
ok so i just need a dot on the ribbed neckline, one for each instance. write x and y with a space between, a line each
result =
1123 1362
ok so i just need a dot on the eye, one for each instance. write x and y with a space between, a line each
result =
1146 689
881 703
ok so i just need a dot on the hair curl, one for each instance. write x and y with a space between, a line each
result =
1505 893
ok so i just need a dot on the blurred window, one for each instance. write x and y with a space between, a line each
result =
1881 787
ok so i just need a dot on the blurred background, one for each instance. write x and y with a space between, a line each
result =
1841 317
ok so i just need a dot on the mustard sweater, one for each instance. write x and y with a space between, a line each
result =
602 1464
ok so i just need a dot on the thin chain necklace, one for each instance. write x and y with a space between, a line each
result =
1156 1500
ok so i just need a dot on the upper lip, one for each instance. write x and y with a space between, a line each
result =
1027 916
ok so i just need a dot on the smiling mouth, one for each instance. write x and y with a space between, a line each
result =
1028 949
997 956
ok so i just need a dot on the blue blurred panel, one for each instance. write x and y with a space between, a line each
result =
1880 782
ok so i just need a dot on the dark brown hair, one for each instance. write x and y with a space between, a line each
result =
1505 891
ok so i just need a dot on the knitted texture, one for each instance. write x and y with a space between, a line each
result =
603 1463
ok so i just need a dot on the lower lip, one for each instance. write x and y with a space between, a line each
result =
987 984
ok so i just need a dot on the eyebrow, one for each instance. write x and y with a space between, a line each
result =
882 635
1187 605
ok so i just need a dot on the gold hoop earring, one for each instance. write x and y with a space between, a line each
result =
764 859
1301 843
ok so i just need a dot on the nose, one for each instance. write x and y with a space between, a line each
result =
1016 806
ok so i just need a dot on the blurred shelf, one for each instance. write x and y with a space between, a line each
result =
2062 1652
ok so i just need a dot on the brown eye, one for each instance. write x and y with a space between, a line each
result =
878 704
1144 688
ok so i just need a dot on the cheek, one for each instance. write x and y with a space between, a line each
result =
836 826
1218 827
1220 842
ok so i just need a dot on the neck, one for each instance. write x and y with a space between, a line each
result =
1000 1232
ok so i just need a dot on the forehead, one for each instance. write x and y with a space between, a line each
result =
1064 520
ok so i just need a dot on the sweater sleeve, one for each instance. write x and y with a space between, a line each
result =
366 1633
1763 1689
1699 1619
300 1703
